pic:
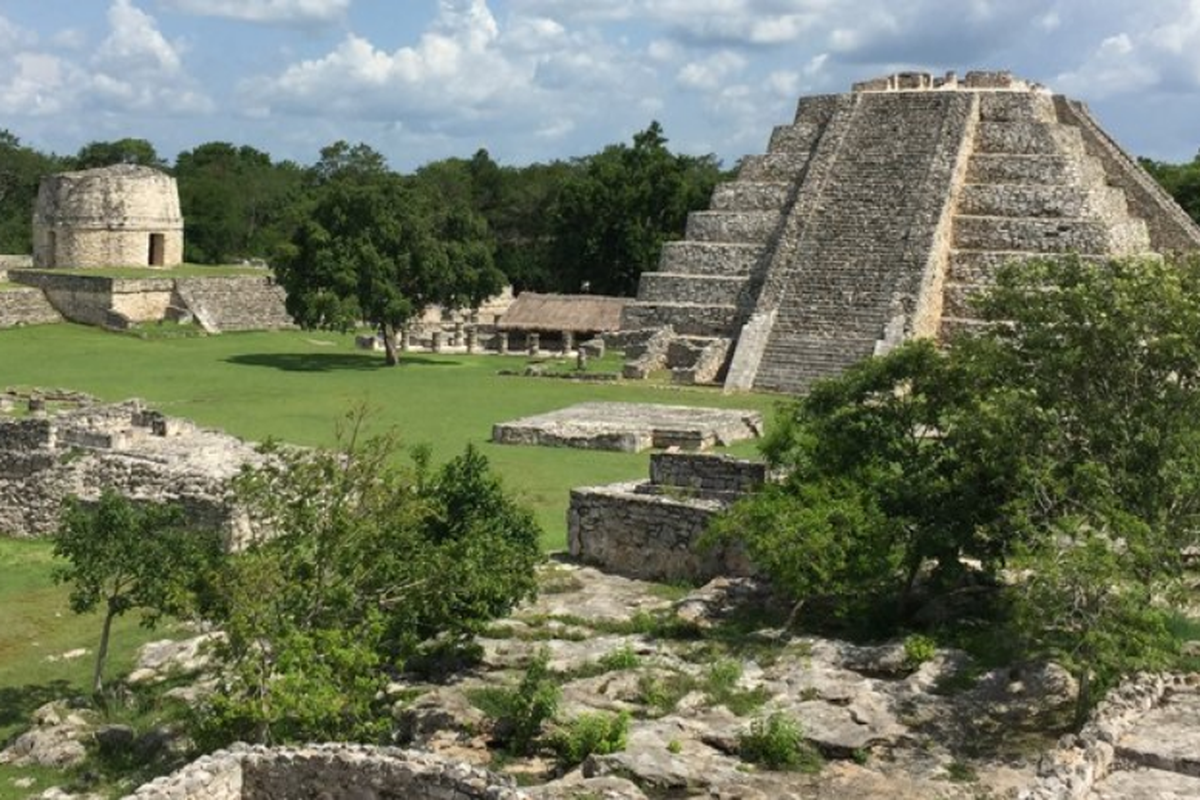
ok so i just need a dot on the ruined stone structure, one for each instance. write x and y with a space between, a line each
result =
123 215
631 427
651 529
875 214
78 451
216 304
25 306
332 770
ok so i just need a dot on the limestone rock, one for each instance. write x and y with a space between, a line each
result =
57 738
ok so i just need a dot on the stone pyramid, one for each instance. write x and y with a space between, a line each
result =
873 217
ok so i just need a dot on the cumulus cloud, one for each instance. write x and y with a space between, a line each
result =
464 72
1156 49
711 72
265 11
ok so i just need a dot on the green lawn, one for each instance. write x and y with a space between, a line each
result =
295 386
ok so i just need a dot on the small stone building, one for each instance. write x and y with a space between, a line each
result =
123 215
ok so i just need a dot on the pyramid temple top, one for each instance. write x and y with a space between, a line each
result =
974 81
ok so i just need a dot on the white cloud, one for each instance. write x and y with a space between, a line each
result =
711 72
1154 51
267 11
134 45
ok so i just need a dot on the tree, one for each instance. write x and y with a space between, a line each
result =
21 172
121 151
1182 181
1064 438
237 203
124 555
376 250
612 218
370 563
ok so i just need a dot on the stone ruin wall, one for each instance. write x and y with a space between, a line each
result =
333 771
106 217
139 453
650 530
234 303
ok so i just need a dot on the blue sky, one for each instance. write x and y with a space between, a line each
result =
534 80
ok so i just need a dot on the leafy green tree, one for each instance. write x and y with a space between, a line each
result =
369 563
1063 438
613 216
376 250
123 555
21 172
1182 181
121 151
237 203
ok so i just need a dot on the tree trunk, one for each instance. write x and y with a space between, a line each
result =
1083 701
102 652
389 344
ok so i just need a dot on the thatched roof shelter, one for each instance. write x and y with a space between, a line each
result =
574 313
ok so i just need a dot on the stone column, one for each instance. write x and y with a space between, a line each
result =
472 340
581 359
534 342
437 341
568 342
456 339
405 340
502 343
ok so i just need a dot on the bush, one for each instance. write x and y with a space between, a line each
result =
589 734
777 742
519 713
918 649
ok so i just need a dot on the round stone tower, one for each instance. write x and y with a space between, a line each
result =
123 215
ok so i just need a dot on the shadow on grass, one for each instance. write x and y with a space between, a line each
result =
327 362
18 702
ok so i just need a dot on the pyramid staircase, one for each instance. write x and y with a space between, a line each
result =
705 285
1031 191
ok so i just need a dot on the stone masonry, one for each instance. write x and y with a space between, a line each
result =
123 215
876 214
23 306
326 771
45 458
650 530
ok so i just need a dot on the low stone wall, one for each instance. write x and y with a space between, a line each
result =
25 307
1084 760
333 771
651 529
723 474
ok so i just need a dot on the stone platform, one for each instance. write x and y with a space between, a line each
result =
631 427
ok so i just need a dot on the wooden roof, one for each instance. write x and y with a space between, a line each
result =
564 312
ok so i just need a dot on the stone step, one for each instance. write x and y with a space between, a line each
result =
1016 107
687 319
735 227
751 196
773 167
1050 235
1028 138
981 266
794 363
709 258
1041 200
663 287
800 137
1051 169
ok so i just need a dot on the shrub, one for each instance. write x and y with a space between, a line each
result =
519 713
918 649
777 742
588 734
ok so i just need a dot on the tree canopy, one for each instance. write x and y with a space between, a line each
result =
374 249
1064 438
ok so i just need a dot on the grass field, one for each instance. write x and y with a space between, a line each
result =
294 386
